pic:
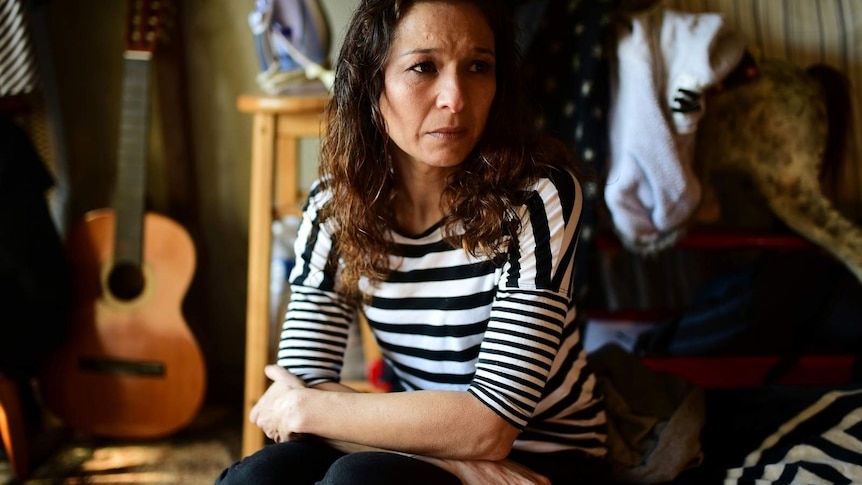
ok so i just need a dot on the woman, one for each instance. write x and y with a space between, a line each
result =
440 217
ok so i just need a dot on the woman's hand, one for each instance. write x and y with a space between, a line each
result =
480 472
272 409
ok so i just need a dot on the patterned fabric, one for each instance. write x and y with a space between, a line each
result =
18 72
448 321
821 445
568 70
567 73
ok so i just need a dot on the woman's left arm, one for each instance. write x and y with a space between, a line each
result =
442 424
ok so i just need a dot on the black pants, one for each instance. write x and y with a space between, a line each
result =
313 462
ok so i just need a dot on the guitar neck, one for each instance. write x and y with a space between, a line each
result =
132 157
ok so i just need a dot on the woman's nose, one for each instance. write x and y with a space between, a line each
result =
451 94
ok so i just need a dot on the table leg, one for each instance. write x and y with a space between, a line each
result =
259 246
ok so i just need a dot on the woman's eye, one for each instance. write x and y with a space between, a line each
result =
423 67
481 67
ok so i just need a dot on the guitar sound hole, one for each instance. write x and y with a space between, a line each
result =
126 281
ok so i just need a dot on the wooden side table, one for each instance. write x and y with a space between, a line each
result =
279 122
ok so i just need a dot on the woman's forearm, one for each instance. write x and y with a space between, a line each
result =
334 387
443 424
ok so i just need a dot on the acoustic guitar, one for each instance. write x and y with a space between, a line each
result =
131 368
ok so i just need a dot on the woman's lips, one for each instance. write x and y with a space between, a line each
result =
449 133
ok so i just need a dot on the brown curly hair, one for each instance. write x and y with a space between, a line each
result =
482 196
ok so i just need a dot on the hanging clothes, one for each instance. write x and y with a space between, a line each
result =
665 62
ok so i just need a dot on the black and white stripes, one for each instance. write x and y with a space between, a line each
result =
446 320
18 72
821 445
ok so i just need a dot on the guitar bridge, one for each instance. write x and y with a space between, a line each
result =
122 366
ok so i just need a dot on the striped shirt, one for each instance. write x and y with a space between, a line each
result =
443 319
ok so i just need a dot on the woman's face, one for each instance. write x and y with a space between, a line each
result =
439 83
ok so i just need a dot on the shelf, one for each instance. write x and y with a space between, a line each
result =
731 371
751 371
722 239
